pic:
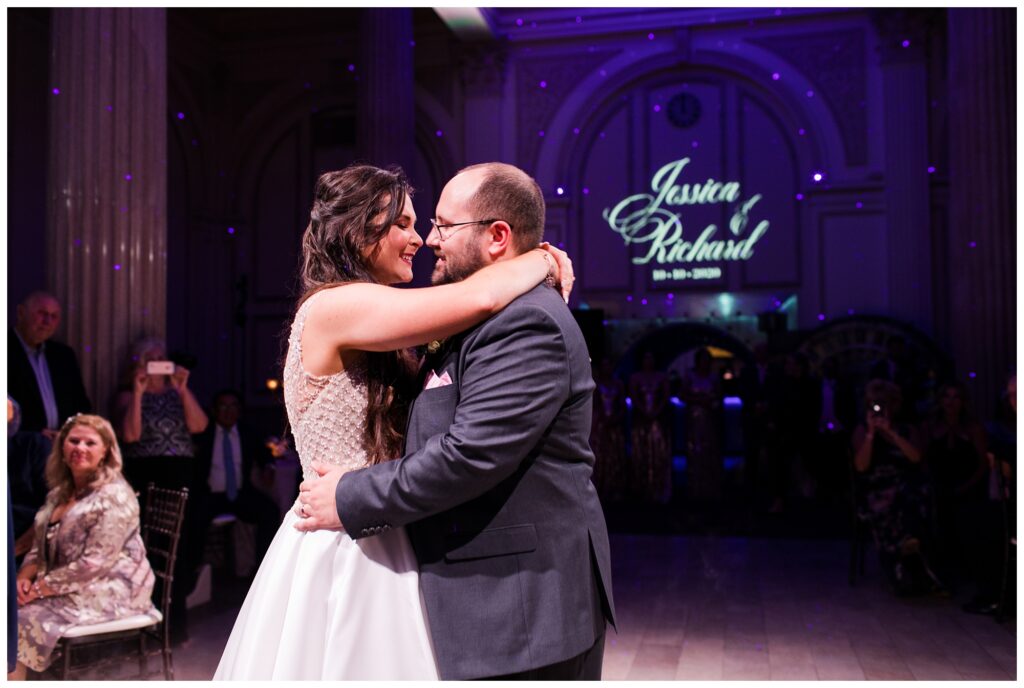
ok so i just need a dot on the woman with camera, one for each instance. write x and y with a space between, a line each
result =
156 415
890 491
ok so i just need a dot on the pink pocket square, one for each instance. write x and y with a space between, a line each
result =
434 381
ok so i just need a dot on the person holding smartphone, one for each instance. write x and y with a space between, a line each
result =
156 415
890 490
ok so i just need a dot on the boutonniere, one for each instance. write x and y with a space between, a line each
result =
434 346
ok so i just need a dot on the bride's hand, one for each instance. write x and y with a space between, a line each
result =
563 265
316 507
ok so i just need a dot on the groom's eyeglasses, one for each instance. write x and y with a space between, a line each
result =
446 231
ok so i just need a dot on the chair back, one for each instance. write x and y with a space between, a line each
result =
161 532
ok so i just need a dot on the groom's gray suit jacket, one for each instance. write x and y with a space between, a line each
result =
495 490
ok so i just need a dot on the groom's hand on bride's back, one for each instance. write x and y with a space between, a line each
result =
316 507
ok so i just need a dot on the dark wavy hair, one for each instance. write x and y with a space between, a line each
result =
353 211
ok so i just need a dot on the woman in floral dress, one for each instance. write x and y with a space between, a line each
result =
87 564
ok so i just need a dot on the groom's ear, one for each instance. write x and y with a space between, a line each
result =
499 240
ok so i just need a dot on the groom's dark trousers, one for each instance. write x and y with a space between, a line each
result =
495 492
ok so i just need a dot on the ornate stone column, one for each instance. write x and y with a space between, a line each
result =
903 39
107 215
385 125
982 232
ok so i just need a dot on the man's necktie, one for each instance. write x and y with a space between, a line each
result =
229 468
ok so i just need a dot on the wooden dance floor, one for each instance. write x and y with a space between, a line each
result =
745 609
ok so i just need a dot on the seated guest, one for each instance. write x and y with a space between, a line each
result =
891 493
42 375
87 564
228 453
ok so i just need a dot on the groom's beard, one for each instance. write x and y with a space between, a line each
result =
456 267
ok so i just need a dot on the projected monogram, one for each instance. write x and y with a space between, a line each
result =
644 219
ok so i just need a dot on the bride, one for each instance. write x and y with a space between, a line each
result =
323 606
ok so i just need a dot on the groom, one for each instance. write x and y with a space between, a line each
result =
494 488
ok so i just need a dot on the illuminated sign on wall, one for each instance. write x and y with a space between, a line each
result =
645 219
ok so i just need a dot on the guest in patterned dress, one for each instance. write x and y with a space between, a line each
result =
891 493
607 437
652 455
87 564
156 416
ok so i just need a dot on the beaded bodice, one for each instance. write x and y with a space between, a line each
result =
327 413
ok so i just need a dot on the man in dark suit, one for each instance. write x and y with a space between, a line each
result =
495 485
227 455
43 375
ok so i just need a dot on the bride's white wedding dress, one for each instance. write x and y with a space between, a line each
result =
322 605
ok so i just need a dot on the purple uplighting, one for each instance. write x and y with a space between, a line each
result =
690 141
